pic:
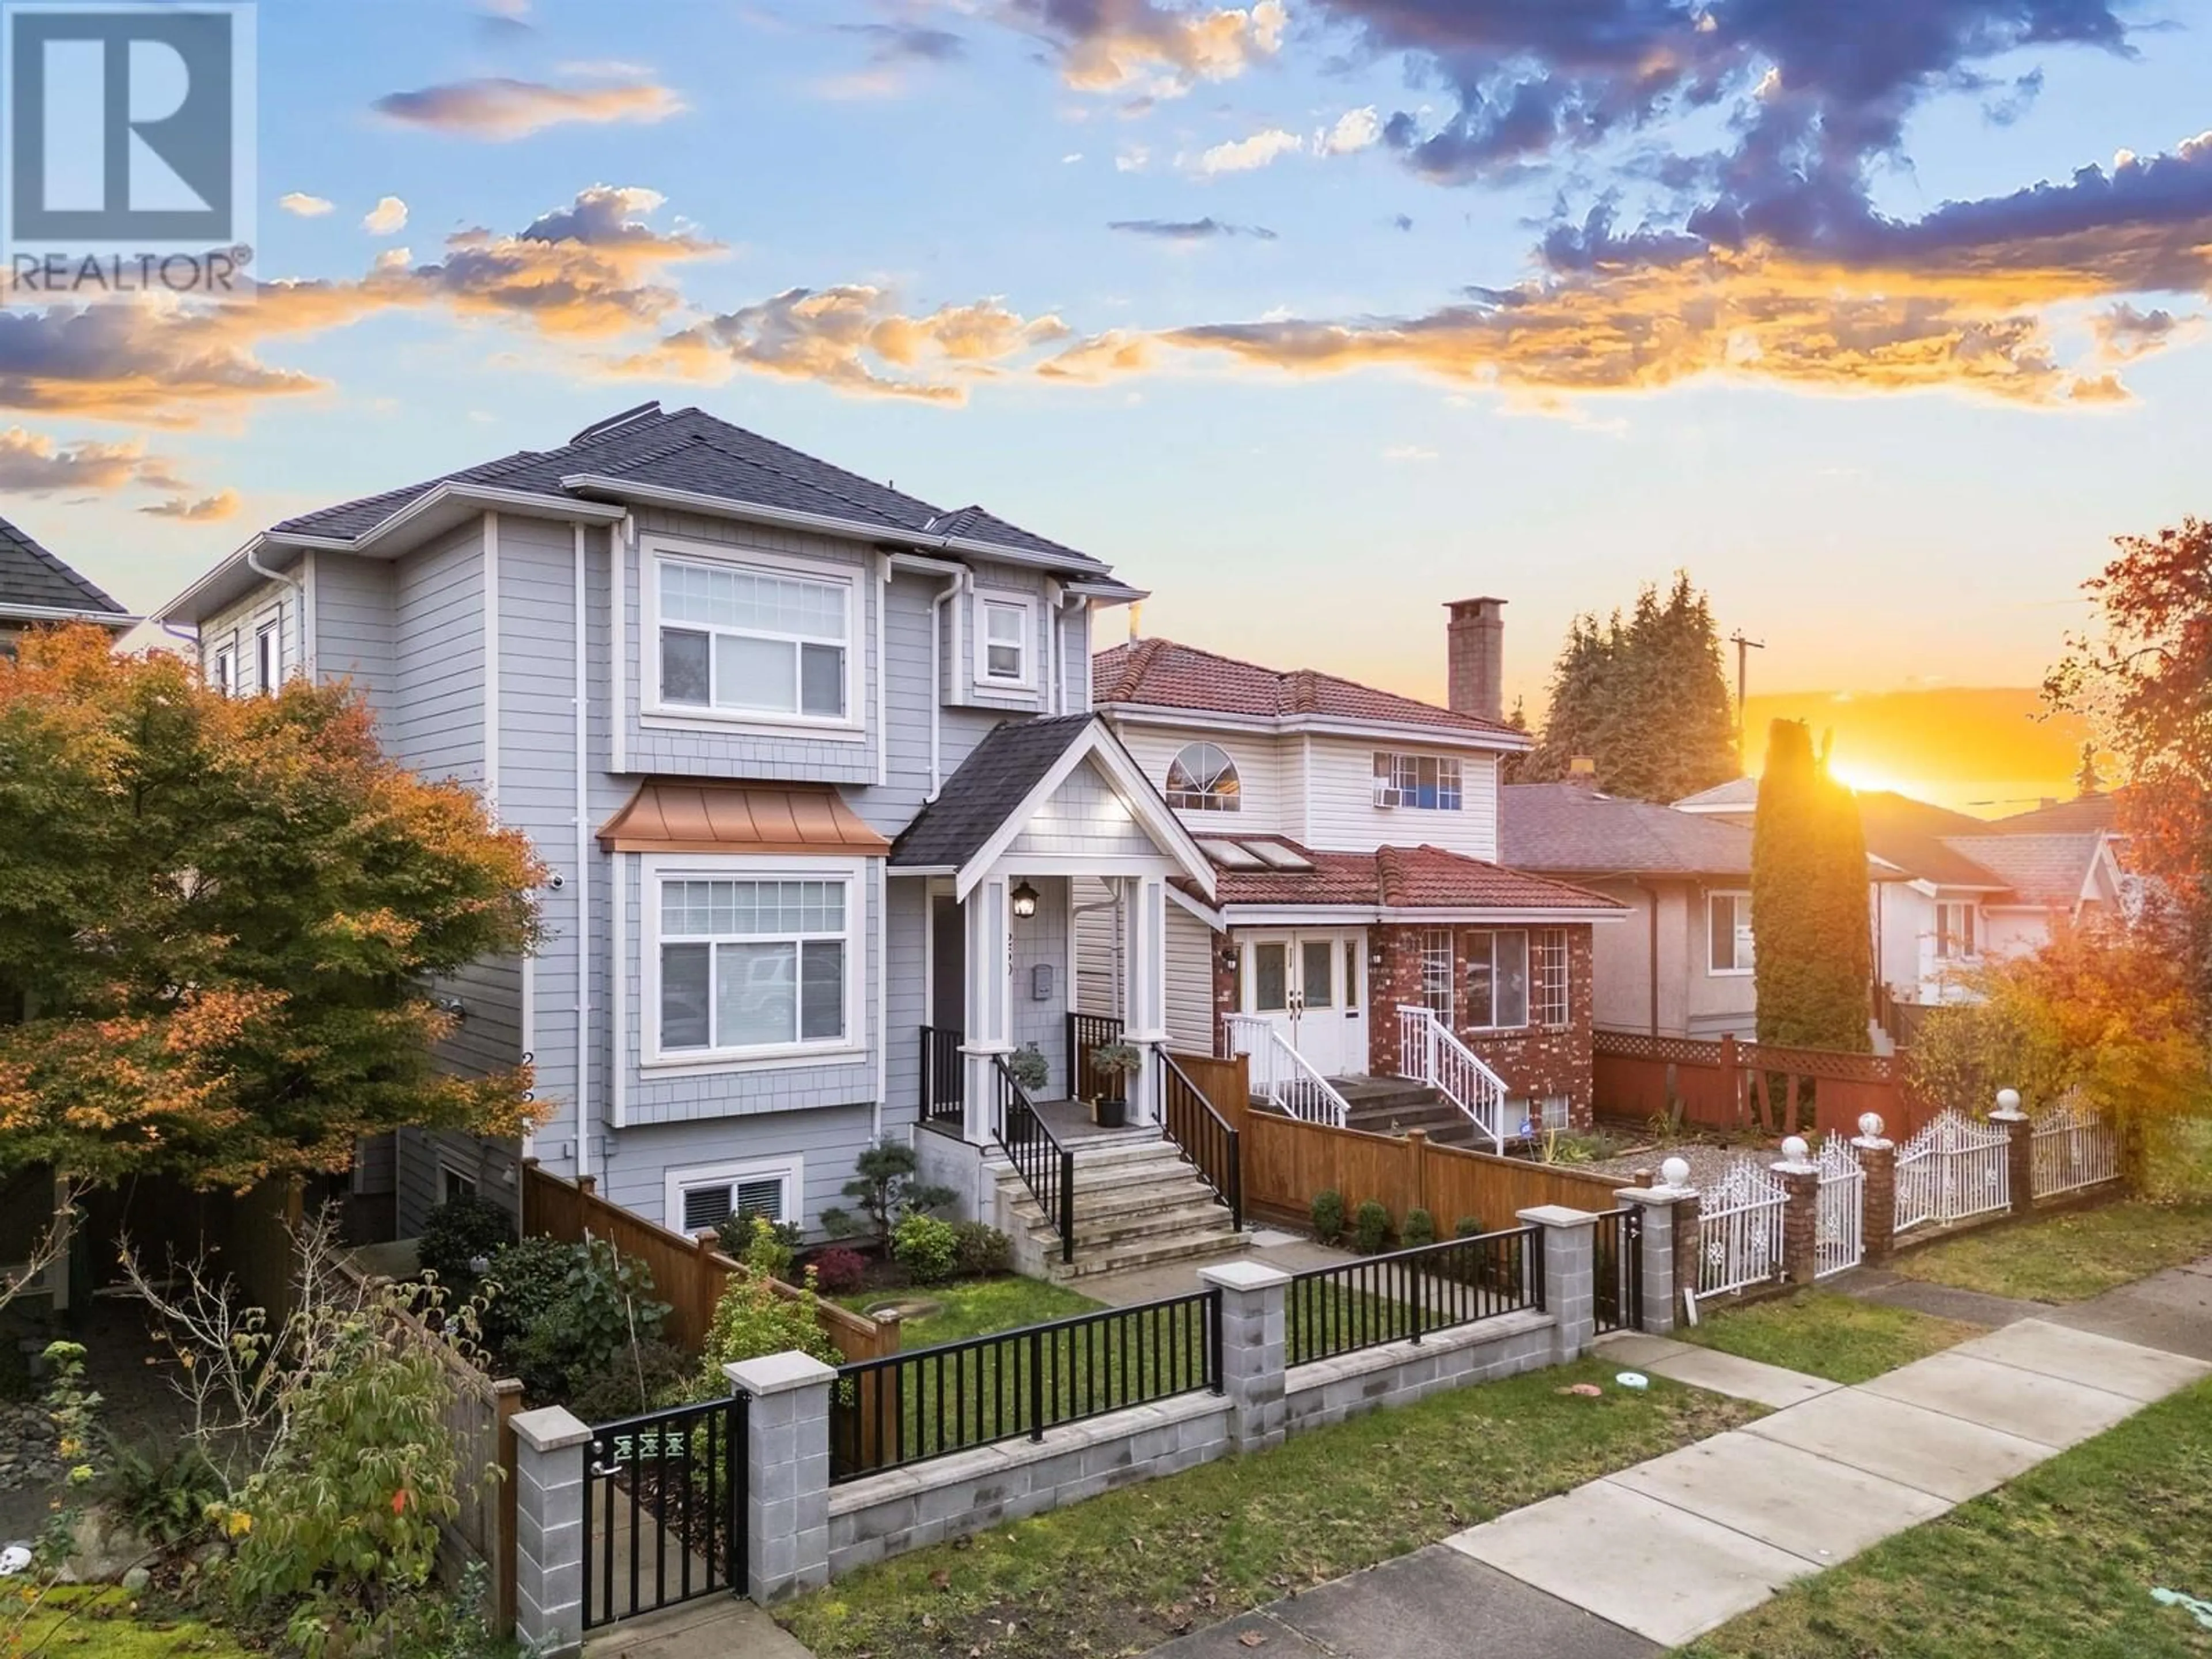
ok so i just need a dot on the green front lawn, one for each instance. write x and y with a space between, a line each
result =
2072 1257
1825 1334
1126 1571
977 1307
2061 1561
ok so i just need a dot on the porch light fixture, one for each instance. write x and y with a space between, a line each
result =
1025 898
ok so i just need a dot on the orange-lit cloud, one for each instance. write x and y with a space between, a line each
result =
208 509
501 109
1106 45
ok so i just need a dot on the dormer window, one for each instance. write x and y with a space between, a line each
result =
763 643
1201 778
1002 643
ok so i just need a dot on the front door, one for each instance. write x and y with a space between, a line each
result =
1311 988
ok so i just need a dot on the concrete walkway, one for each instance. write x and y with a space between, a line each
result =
1653 1556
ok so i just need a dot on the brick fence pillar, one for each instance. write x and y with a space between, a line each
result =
787 1472
1662 1208
1878 1193
1254 1351
1801 1219
549 1529
2020 1149
1569 1277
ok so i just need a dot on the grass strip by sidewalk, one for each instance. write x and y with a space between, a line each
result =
97 1621
1823 1334
2061 1561
1125 1571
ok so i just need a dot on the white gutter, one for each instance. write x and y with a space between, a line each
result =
39 613
1436 737
583 880
491 661
299 598
619 549
883 679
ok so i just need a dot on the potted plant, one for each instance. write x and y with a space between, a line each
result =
1117 1062
1028 1067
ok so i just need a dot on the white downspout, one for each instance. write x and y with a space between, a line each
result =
883 698
299 595
618 637
1052 690
491 661
583 877
882 998
937 687
1068 603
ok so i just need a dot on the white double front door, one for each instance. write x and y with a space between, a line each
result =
1311 987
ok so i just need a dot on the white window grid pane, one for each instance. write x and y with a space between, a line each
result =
751 910
752 602
1002 623
1548 994
1437 972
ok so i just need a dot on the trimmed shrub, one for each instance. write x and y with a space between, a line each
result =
1469 1226
926 1248
765 1246
1419 1228
751 1321
838 1269
460 1236
981 1251
526 1278
1370 1227
601 1304
639 1378
1328 1216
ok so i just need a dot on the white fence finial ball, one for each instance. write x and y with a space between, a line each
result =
1870 1125
1795 1151
1675 1171
2008 1100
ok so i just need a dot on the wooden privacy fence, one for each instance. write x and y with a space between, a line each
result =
1226 1083
1287 1161
688 1273
1730 1085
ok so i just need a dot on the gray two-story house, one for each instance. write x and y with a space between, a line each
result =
812 768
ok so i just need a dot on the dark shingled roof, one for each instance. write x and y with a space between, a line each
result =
996 778
2084 814
31 575
1914 836
2047 869
690 450
1571 827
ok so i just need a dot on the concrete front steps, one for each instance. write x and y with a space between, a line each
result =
1138 1203
1394 1105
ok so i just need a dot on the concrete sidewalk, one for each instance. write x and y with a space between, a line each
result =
1655 1555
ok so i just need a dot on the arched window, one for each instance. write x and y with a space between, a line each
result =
1202 778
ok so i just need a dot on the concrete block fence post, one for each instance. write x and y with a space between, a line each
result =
1689 1243
1255 1350
549 1529
2020 1149
787 1472
1662 1207
1569 1277
1878 1191
1801 1211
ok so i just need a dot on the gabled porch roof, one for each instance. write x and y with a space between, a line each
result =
986 805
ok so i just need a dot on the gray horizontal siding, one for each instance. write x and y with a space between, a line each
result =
827 1144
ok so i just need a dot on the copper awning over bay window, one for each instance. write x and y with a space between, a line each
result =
668 816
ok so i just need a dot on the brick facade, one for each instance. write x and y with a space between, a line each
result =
1535 1061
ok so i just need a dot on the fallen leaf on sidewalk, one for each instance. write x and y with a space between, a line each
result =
1251 1638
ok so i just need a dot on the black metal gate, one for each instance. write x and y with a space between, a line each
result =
664 1508
1619 1290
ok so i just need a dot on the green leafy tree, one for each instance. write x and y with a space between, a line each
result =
222 915
1812 944
1643 697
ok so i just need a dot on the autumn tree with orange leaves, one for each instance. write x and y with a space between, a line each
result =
218 920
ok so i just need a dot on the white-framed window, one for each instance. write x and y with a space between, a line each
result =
1437 972
1727 932
1428 781
1954 931
1005 628
264 659
752 963
1547 976
761 639
1201 778
453 1184
226 671
699 1200
1498 979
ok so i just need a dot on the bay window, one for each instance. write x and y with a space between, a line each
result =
753 967
753 641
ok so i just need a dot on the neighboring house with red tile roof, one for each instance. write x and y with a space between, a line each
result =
1354 834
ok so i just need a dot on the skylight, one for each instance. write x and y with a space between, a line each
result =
1277 856
1229 855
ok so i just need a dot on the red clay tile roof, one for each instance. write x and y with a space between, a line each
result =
1401 878
1161 674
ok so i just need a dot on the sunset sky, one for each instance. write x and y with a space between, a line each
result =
1880 319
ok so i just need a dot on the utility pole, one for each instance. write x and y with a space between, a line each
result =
1743 648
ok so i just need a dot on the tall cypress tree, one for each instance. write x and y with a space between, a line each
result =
1813 947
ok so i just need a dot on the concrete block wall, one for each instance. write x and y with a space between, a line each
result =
1400 1373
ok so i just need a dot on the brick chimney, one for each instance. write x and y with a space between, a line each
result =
1475 657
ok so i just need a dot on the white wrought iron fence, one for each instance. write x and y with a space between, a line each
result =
1739 1229
2072 1147
1839 1240
1954 1169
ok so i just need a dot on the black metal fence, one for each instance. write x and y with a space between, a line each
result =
943 1082
1205 1136
664 1508
1046 1167
906 1408
1619 1250
1084 1033
1403 1296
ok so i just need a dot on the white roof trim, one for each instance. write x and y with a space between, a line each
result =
1151 811
1271 915
11 611
1439 737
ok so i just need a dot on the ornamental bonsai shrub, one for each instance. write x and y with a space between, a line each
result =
1029 1067
887 1188
1370 1227
1118 1062
1326 1214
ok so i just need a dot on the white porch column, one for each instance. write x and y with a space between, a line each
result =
1144 989
989 1026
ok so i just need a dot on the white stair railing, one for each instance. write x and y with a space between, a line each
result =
1284 1075
1428 1053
